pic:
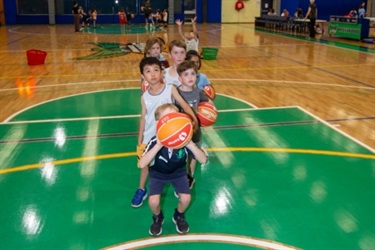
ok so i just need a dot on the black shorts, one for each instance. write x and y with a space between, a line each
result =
180 184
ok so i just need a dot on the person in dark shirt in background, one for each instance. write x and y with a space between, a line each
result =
312 14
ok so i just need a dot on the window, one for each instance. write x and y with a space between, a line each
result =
25 7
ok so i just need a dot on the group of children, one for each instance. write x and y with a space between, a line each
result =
87 18
174 88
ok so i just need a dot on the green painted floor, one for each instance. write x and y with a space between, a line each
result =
276 178
116 29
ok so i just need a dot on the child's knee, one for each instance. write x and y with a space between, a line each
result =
185 198
154 200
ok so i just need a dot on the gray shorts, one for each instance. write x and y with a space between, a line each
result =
180 184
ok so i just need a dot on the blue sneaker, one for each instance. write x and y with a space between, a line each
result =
139 196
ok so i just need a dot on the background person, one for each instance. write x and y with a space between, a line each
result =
312 14
76 16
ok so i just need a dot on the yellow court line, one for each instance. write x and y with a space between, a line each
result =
67 161
230 149
297 151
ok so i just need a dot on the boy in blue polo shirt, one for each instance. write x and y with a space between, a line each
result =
168 166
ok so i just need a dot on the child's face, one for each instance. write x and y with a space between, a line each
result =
177 55
190 35
152 74
188 77
155 50
195 59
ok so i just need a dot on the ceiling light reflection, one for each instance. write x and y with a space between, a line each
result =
212 138
60 136
221 204
318 191
268 139
48 171
88 168
299 172
346 221
31 221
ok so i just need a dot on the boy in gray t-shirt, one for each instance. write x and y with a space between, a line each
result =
187 72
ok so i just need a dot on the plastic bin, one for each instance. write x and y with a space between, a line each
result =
209 53
35 57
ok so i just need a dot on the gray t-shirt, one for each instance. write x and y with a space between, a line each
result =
193 98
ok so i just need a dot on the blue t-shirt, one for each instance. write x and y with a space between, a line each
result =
202 80
168 163
361 12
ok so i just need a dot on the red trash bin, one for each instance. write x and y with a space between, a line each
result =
36 57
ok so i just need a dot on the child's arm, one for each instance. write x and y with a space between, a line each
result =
193 20
185 106
179 23
198 153
150 155
142 122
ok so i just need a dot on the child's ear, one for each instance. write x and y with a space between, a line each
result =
180 79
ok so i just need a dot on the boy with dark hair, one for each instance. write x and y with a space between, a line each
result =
157 94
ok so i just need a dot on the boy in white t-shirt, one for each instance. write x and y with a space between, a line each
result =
158 94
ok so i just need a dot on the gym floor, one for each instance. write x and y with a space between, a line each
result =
280 177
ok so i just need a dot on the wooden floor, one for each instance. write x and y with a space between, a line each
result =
332 82
294 173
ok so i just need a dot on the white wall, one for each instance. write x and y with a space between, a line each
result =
246 15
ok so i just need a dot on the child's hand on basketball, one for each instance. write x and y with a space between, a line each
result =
195 124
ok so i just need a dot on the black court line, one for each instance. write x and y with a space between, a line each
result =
49 139
275 124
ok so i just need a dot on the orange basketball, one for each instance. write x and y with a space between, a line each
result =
209 91
144 86
174 130
207 114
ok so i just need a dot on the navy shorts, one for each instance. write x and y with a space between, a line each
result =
180 184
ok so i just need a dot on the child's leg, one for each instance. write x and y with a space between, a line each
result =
192 165
183 202
154 202
143 178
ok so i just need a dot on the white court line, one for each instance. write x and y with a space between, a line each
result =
73 119
73 83
339 131
6 121
296 82
131 116
211 79
59 98
215 238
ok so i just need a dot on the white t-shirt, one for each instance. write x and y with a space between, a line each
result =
192 44
169 79
152 102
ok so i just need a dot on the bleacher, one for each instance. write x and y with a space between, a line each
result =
281 23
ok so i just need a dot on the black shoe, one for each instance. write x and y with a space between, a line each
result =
191 181
181 225
155 229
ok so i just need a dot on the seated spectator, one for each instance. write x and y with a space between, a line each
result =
285 13
271 12
352 13
299 13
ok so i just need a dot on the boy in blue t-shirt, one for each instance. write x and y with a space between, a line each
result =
168 166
